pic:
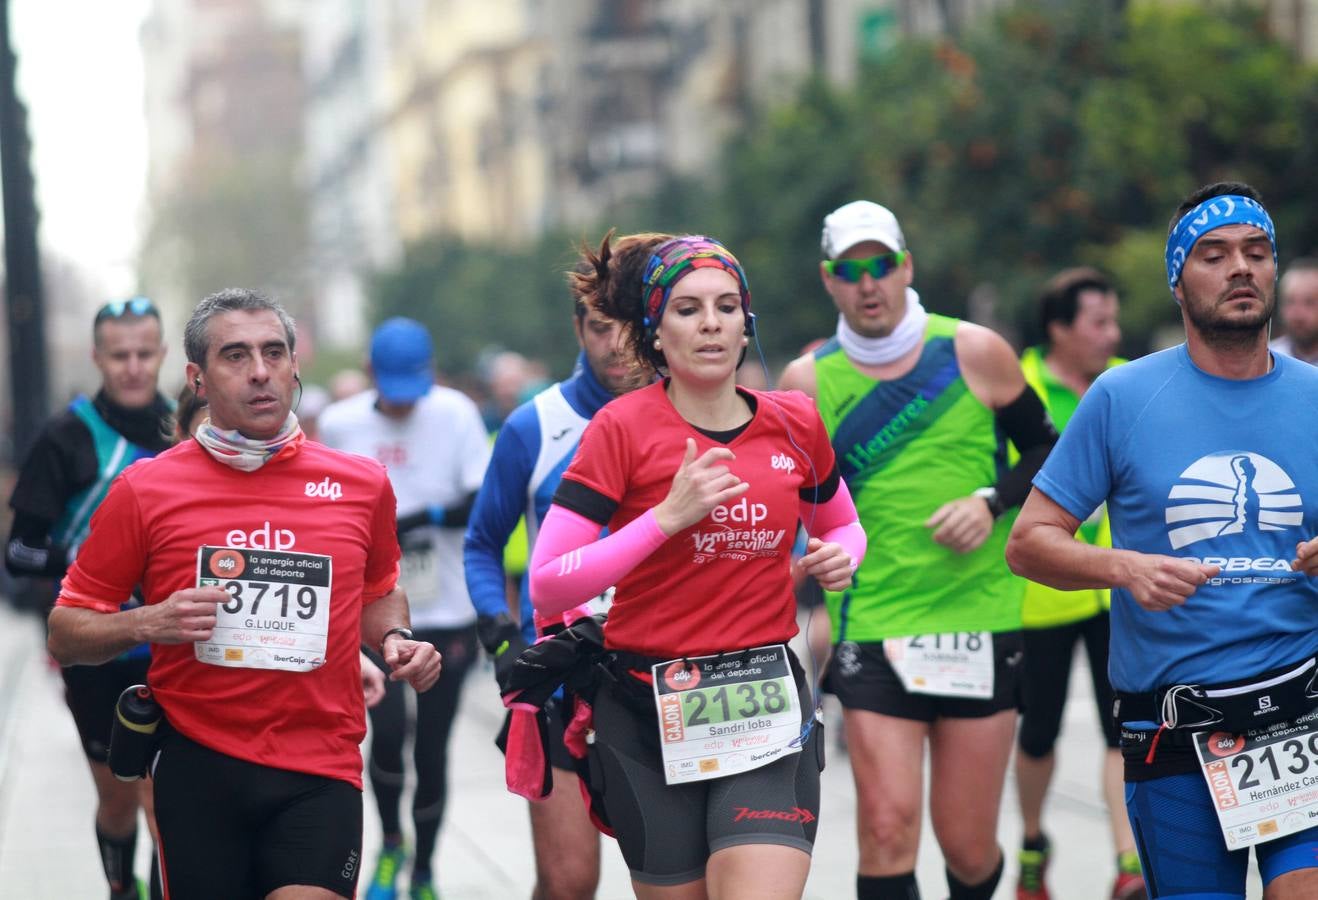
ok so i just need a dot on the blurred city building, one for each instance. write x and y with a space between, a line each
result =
348 169
225 101
488 120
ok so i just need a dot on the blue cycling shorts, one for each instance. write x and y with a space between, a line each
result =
1182 849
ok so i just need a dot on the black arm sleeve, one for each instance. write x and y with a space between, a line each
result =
61 462
822 492
457 515
585 501
30 552
1029 427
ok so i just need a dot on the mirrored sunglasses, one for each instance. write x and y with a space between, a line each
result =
850 270
137 306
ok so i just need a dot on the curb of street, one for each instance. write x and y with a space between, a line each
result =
17 643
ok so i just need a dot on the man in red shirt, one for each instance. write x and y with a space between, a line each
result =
265 560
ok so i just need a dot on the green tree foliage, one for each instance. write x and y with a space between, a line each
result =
1046 136
231 222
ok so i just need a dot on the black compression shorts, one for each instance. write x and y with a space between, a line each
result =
231 828
667 832
91 693
1047 678
862 678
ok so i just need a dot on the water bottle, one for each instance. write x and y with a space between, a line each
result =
137 715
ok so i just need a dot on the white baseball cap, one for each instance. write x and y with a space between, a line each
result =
859 221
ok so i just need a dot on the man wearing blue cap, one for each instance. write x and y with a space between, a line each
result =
1203 454
433 443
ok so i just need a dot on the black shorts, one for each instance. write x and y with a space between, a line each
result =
1047 677
667 832
91 693
231 828
862 678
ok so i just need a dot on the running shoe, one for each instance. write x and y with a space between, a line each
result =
423 890
1130 880
1029 885
386 873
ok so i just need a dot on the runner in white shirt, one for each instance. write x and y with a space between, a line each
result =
434 445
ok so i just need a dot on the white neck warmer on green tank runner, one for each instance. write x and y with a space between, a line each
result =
878 351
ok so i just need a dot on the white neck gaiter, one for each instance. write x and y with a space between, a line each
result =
243 453
878 351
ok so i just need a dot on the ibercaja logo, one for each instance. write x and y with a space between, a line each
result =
1221 743
227 564
681 676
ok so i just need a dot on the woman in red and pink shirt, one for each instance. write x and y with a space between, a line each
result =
701 485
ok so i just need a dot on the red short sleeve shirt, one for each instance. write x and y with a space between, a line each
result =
724 583
308 500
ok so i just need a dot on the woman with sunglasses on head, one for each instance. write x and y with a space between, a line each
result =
706 748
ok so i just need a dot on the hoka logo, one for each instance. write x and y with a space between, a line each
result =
795 814
1227 493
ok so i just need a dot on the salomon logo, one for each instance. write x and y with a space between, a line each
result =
1227 493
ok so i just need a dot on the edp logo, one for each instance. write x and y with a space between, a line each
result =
326 488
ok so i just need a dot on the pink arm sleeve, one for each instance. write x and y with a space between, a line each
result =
835 521
572 563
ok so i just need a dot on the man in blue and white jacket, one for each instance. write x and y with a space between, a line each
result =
533 449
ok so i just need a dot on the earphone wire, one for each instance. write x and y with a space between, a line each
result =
816 689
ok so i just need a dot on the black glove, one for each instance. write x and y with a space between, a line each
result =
502 639
413 521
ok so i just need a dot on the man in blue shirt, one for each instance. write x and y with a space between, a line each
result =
1204 455
532 451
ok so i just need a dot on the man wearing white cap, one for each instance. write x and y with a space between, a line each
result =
434 446
927 640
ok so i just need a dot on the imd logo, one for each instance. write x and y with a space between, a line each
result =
1228 493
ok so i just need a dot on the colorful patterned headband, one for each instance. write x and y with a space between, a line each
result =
675 259
1213 213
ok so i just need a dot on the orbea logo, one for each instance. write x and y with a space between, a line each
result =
1226 493
263 538
326 488
783 462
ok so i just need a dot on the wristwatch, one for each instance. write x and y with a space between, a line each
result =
990 496
397 629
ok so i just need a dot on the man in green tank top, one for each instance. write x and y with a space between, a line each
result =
1078 319
920 408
